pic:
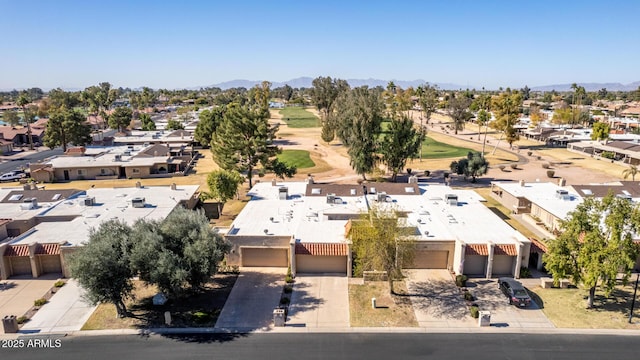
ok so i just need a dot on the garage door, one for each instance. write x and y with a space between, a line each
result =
475 265
267 257
503 265
430 260
20 265
50 263
321 264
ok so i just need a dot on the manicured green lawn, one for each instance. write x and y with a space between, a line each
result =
297 117
432 149
299 158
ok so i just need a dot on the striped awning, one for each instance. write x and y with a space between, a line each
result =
48 249
477 249
321 249
505 249
17 250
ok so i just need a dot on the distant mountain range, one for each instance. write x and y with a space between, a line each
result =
306 82
590 87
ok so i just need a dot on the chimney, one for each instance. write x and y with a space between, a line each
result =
173 186
522 183
562 182
274 182
138 184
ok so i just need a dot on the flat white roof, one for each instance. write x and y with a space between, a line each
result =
312 219
109 204
543 194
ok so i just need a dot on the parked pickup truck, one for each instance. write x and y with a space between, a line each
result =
12 176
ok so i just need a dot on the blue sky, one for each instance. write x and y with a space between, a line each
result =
175 44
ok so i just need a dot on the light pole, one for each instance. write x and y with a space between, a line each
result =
633 301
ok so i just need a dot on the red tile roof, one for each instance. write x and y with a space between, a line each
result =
41 249
477 249
321 249
538 246
505 249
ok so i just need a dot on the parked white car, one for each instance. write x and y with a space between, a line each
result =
12 176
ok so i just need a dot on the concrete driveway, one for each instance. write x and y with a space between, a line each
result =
436 300
18 293
319 301
489 297
255 294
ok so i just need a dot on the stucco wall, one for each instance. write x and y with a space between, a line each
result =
233 258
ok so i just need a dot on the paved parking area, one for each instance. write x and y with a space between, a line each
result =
255 294
489 297
437 301
319 301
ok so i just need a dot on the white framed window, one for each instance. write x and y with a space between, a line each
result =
135 171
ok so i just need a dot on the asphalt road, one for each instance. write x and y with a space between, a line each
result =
35 157
332 346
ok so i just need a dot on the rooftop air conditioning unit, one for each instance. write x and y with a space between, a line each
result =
451 199
127 153
89 201
118 157
29 204
382 196
562 194
138 202
283 193
331 198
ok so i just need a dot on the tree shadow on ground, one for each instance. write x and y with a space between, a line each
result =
439 298
302 301
206 338
7 285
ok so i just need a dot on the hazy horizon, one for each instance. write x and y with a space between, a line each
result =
76 44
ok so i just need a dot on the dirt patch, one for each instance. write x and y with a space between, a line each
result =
391 310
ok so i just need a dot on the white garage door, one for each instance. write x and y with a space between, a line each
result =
430 260
475 265
267 257
321 264
503 264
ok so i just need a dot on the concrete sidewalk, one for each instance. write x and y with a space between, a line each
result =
65 311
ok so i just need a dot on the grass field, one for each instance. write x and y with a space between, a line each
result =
297 117
432 149
566 308
298 158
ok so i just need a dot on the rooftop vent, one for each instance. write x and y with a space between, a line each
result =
127 153
451 199
138 202
117 157
413 179
352 192
562 194
315 191
173 186
382 196
29 204
331 198
283 193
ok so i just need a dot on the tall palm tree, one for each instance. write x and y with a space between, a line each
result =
23 100
631 171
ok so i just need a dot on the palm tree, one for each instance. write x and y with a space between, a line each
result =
22 101
632 170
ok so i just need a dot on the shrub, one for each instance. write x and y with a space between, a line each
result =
40 302
608 155
22 319
539 157
529 153
546 165
427 173
468 296
501 167
59 284
288 279
284 301
475 312
201 317
525 272
550 173
461 280
514 166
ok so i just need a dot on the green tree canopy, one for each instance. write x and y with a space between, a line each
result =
595 244
473 165
243 139
67 126
147 122
223 186
11 117
23 100
120 119
357 119
600 131
458 109
209 120
506 108
174 124
382 241
102 266
401 143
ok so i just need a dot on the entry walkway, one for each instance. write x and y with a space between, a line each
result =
319 301
65 311
255 294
